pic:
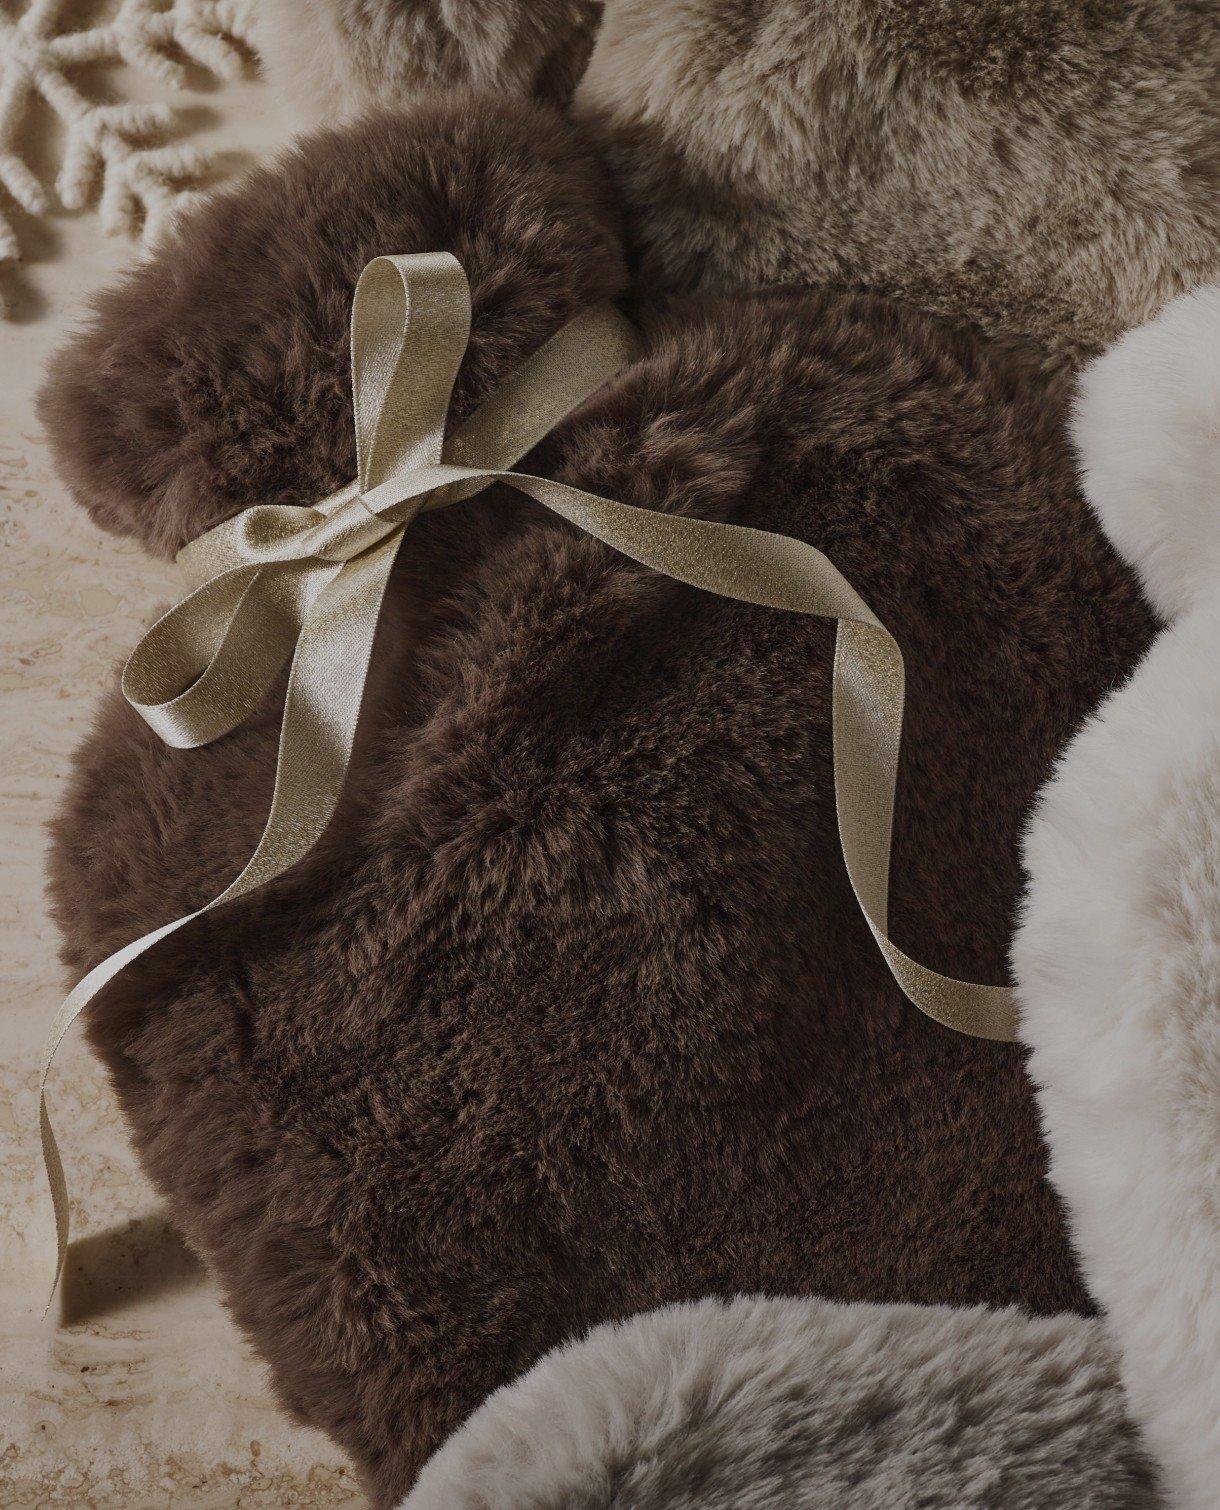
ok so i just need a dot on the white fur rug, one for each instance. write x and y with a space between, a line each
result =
1118 960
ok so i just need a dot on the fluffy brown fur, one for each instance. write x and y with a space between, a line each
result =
1047 169
331 59
572 1013
194 392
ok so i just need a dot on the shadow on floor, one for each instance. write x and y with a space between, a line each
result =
110 1270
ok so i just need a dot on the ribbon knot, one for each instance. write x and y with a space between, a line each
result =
279 581
265 578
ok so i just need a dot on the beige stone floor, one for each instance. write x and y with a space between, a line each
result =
145 1395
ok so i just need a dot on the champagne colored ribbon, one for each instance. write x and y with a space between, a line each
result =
278 581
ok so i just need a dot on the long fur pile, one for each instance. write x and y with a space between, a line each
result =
332 59
1046 169
760 1404
218 375
1118 957
572 1013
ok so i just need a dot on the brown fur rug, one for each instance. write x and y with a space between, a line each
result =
572 1014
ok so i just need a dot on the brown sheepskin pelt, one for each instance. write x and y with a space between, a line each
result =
572 1013
207 378
1046 169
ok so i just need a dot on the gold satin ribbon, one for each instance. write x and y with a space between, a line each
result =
277 581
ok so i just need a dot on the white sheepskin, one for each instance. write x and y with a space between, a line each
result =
756 1404
1118 957
1147 430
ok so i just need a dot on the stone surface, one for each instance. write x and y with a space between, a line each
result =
144 1394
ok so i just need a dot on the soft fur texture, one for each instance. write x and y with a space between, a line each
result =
218 375
1118 958
1048 169
572 1014
1147 427
800 1405
333 59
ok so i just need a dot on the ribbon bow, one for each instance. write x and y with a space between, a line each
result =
308 582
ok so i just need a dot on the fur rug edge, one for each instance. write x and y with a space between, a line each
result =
755 1403
1118 956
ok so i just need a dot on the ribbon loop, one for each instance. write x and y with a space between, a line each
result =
205 666
410 326
277 581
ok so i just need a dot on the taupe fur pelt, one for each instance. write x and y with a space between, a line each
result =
572 1013
1046 169
333 59
756 1404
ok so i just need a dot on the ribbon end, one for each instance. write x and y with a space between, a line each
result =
59 1200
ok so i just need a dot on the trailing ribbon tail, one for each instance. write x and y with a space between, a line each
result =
309 582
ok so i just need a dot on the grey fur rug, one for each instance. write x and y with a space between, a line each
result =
334 59
761 1404
1045 170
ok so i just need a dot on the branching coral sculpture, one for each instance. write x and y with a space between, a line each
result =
140 183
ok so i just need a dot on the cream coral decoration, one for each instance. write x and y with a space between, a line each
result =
140 183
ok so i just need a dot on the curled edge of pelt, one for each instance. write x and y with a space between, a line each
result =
330 60
217 374
755 1403
1118 956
